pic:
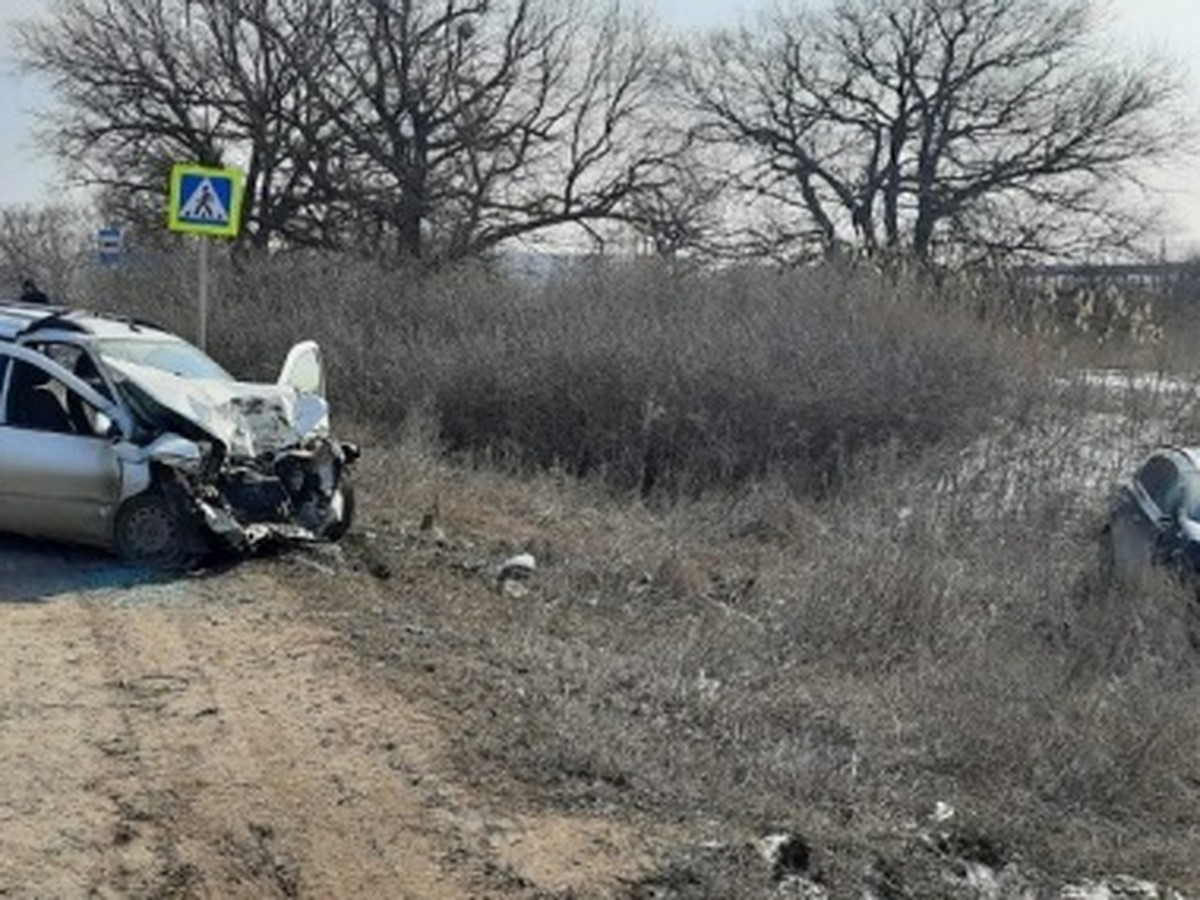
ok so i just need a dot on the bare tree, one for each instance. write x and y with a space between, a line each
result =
934 128
132 86
471 122
681 212
45 244
435 128
146 83
267 54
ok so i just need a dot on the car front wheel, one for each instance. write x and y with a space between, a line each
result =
152 531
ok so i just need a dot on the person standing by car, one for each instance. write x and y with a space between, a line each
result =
31 293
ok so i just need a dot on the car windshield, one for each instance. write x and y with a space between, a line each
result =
171 355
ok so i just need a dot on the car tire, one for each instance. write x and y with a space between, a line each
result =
151 531
343 498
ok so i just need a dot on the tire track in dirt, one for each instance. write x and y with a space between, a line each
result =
204 738
54 722
189 745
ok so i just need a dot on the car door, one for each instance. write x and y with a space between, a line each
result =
60 476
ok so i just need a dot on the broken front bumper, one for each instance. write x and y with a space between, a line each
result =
295 494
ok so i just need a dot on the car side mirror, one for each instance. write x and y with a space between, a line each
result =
107 427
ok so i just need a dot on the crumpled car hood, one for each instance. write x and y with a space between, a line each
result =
249 419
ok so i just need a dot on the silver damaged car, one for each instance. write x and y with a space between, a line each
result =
118 434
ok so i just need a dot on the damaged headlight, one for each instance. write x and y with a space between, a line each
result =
179 453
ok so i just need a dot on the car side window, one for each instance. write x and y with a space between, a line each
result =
1159 478
76 360
38 401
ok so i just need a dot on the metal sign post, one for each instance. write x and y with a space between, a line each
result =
202 280
206 202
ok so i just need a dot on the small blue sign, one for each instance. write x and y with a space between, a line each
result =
111 245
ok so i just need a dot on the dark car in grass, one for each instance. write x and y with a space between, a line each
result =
1155 516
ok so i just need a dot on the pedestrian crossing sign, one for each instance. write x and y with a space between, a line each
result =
205 200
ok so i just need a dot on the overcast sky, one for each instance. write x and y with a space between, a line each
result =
1170 27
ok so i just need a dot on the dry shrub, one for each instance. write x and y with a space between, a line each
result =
718 381
367 318
657 383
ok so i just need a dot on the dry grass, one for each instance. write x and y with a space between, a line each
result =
755 660
832 639
837 665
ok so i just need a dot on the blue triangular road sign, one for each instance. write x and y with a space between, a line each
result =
206 200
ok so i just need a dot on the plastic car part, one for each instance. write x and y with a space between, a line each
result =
341 510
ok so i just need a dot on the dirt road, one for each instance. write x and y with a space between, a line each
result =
202 738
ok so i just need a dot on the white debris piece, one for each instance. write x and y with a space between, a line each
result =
518 567
769 845
1121 887
942 811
